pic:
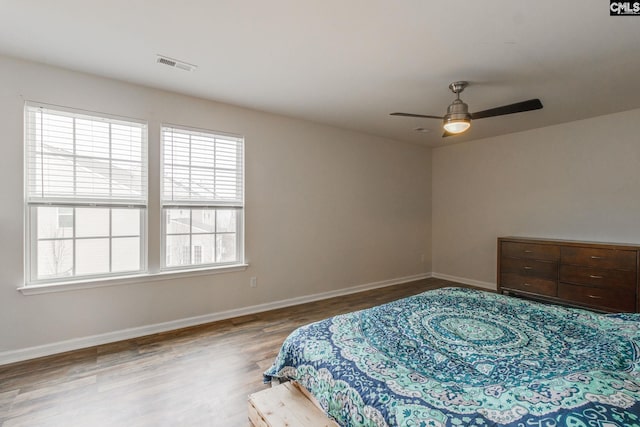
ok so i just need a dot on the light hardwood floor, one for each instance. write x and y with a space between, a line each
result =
199 376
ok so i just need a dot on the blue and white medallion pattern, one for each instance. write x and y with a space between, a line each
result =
459 357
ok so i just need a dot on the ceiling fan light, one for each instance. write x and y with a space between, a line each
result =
457 126
457 119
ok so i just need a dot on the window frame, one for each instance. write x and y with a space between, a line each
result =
30 207
151 255
191 206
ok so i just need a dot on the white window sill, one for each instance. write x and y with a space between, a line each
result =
125 280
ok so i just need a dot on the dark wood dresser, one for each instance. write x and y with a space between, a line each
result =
599 276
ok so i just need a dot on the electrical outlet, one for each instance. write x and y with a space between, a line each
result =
253 282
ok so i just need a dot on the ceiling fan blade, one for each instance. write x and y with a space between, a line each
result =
416 115
518 107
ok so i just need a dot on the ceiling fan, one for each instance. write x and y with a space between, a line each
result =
458 119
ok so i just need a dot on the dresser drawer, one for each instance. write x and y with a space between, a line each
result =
597 277
530 284
610 299
530 251
530 268
599 258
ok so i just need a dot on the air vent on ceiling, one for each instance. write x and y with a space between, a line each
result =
175 63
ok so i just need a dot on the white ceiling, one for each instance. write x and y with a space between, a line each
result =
349 63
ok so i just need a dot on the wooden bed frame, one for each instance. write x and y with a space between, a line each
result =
287 404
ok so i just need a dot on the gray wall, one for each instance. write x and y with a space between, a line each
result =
326 209
579 180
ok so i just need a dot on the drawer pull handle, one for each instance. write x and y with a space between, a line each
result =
596 257
593 276
527 251
594 296
526 284
526 267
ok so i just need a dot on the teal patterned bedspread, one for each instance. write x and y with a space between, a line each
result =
461 357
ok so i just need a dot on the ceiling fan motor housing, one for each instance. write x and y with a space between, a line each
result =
457 111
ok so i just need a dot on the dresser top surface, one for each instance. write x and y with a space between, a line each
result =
546 241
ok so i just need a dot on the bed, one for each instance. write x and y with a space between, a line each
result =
462 357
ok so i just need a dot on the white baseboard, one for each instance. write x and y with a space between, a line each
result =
464 280
124 334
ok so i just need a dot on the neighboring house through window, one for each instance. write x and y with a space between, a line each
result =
197 254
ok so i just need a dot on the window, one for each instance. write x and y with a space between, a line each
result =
86 194
202 198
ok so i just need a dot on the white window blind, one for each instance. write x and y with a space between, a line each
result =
78 158
201 168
